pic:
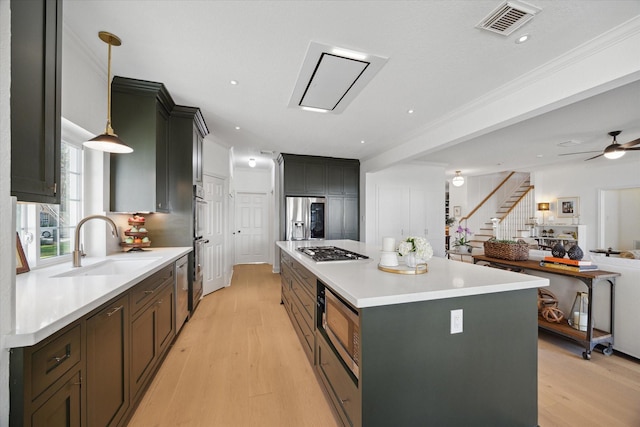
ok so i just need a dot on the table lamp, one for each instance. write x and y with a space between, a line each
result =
544 207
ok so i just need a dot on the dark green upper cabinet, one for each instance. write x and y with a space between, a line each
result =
343 178
140 115
304 175
36 46
336 179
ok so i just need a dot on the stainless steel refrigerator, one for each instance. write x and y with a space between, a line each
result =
305 218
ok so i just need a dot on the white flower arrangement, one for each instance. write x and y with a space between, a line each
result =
419 245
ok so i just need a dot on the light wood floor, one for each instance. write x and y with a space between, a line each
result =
238 362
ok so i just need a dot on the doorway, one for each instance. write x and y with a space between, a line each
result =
252 228
213 274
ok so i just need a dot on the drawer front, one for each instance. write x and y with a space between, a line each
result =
146 291
304 332
343 390
306 278
304 301
286 275
285 259
54 359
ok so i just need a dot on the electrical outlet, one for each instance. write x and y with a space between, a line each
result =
456 321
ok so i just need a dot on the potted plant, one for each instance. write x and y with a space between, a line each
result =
461 243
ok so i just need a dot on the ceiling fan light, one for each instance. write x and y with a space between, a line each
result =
614 154
614 151
252 163
458 180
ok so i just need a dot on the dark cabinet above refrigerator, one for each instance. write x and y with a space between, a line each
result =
337 180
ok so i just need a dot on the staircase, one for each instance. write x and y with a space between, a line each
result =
508 208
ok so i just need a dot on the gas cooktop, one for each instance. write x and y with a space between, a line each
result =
330 253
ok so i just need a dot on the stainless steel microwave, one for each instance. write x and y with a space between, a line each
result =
342 326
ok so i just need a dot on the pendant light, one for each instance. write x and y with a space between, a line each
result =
457 180
108 141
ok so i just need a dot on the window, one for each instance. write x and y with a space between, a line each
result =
47 230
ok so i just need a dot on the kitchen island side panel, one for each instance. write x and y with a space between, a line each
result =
415 372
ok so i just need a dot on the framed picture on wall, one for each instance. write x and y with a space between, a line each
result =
457 211
568 207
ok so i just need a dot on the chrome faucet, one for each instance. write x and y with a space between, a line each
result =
77 253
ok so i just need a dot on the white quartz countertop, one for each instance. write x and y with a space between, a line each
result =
46 304
362 284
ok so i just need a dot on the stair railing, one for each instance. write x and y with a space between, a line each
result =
516 217
486 199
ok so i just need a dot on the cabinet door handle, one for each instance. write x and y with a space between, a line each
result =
59 359
114 311
159 301
343 401
147 292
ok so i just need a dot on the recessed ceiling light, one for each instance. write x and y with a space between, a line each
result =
409 111
539 155
237 127
234 82
523 38
362 142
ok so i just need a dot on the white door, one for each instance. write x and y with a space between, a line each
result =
392 213
252 229
402 212
213 256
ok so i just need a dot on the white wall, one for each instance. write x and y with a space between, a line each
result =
7 227
428 179
584 181
215 156
84 84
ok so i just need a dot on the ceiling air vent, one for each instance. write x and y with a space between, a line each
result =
508 17
332 77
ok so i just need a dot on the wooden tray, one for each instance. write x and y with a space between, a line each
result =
403 269
135 233
136 245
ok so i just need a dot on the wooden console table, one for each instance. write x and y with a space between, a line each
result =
592 337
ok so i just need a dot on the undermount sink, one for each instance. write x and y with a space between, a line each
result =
109 267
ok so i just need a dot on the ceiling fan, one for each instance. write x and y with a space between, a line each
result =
613 150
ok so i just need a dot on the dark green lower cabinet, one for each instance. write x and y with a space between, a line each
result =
108 364
152 330
94 371
62 408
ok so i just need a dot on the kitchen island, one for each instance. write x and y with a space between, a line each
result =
412 369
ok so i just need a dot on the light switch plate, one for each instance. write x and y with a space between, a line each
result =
456 321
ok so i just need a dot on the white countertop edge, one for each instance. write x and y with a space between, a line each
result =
393 297
32 337
437 294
